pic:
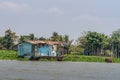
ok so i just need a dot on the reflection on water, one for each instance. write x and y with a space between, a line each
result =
36 70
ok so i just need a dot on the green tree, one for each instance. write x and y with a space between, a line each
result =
66 38
42 38
31 37
26 37
1 40
93 42
60 38
68 46
22 38
115 42
8 39
54 36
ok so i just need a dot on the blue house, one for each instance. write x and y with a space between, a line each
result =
39 48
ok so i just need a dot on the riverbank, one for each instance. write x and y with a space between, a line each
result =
12 55
84 58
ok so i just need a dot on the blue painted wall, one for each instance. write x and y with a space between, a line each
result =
43 50
24 49
46 50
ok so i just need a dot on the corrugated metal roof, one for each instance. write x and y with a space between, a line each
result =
52 42
42 42
35 42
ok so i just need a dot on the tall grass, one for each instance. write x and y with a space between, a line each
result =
13 55
8 54
83 58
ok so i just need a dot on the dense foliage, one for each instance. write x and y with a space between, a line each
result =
93 42
8 54
115 42
8 39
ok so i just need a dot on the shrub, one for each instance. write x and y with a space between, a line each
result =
8 54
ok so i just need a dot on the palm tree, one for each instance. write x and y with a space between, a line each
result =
31 37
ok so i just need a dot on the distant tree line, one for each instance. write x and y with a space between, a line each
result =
94 43
9 40
91 43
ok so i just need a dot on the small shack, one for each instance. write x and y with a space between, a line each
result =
39 48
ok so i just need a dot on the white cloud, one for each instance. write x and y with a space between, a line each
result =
12 6
55 11
52 11
23 7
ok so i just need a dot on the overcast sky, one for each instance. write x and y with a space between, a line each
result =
71 17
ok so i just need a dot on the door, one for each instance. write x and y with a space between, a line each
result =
20 50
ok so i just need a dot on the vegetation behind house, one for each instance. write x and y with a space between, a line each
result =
90 43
